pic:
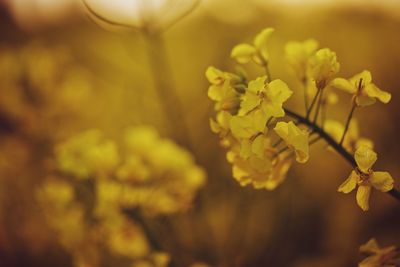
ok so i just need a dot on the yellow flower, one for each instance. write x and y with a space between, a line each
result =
378 257
352 140
295 138
322 67
365 178
269 97
265 172
221 90
297 55
87 154
249 125
364 91
258 52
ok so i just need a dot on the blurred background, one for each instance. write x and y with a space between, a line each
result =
63 71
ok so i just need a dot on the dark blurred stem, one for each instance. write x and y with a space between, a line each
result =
336 146
165 88
353 107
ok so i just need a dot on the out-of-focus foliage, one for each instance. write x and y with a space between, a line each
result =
96 186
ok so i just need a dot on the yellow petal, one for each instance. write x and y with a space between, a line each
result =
214 75
261 41
278 91
373 91
362 196
364 142
245 148
243 53
365 158
249 102
349 184
363 101
259 144
365 76
257 84
370 247
323 66
295 138
343 84
382 181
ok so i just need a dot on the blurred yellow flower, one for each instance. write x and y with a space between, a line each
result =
295 138
352 140
361 86
87 154
365 178
258 52
298 53
322 67
378 257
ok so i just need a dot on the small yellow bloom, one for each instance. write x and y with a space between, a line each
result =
378 257
297 55
322 67
249 125
268 97
365 178
361 86
221 90
295 138
258 52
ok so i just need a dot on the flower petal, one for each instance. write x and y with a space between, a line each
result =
349 184
382 181
365 158
362 196
261 41
243 53
344 85
373 91
365 75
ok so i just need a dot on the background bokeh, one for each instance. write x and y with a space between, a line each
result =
78 75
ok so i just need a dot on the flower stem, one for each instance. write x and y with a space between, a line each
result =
336 146
346 128
169 99
310 108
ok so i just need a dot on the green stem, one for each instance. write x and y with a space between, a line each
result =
348 122
336 146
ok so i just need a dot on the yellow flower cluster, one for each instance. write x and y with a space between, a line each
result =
97 181
247 110
379 257
244 125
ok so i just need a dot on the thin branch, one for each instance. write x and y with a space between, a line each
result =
336 146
